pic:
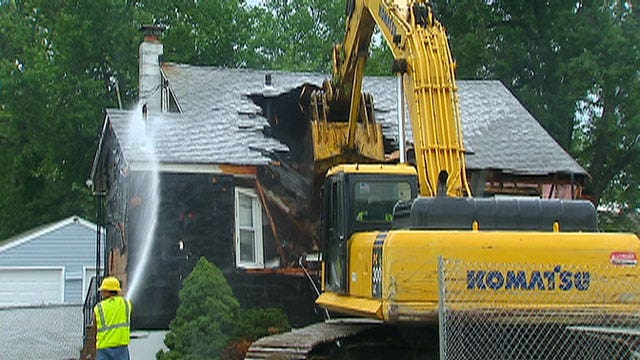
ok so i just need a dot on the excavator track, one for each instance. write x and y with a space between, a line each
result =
300 343
347 339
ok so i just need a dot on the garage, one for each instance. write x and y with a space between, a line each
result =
48 265
31 286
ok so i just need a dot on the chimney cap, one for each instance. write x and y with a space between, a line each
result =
154 30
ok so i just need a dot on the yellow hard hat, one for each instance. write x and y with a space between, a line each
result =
110 283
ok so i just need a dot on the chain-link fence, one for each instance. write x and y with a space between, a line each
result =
529 311
39 333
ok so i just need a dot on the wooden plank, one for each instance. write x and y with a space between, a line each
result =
238 169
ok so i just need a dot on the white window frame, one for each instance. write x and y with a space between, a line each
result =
87 273
257 229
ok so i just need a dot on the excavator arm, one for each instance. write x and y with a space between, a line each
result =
423 59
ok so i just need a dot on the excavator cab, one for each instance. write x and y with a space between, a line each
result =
359 198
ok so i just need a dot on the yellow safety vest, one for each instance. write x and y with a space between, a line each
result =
113 318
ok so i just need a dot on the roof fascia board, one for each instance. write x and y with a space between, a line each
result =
21 239
191 169
169 168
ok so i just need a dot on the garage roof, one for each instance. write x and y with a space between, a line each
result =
37 232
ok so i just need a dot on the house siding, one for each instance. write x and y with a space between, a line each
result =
195 209
73 291
72 247
198 211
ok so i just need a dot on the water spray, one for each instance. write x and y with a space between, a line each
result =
141 139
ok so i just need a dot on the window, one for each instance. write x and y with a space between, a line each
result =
374 200
248 236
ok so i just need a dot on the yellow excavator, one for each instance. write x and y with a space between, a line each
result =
385 226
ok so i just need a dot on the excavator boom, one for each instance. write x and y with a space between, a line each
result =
423 59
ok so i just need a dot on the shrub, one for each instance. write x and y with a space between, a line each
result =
256 323
252 324
209 322
205 317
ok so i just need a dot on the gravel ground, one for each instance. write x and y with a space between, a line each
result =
55 333
51 333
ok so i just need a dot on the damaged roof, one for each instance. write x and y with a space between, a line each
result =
220 124
215 136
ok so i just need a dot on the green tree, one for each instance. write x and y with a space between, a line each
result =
255 323
38 179
205 317
380 57
574 65
524 44
251 325
298 35
607 71
203 32
58 60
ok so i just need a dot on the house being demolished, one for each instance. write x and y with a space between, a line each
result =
238 183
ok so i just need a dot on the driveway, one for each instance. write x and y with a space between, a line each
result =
55 333
52 332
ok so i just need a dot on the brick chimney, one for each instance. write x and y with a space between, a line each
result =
150 78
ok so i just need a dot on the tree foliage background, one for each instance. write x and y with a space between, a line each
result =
573 64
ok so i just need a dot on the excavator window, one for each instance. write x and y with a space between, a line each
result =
374 200
335 252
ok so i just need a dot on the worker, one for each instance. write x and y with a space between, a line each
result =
112 317
374 211
364 215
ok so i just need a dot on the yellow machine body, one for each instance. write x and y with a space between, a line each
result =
571 271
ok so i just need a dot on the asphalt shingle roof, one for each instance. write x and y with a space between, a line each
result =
214 138
220 124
